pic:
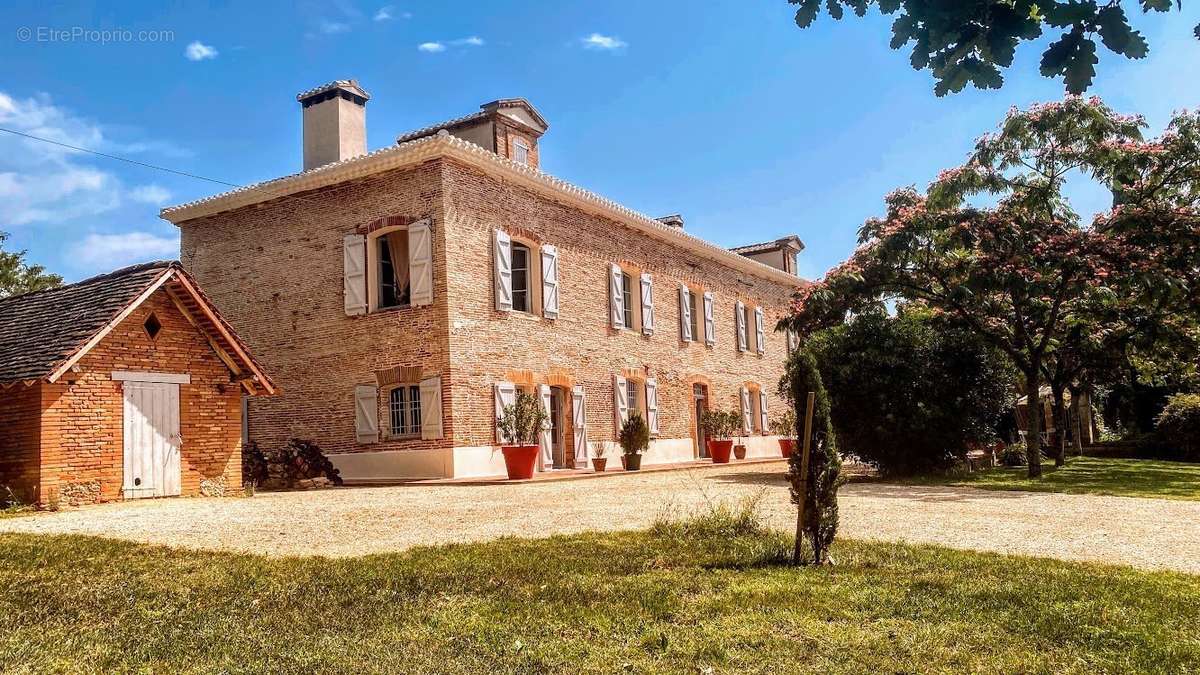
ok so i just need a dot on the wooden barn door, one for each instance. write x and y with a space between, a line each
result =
152 439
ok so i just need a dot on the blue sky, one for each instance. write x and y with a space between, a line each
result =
723 111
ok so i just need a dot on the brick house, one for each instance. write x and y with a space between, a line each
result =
401 297
124 385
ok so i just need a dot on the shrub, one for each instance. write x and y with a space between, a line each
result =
908 394
1178 427
720 425
635 435
785 424
1013 455
521 422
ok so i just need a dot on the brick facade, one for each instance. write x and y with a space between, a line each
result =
63 442
275 270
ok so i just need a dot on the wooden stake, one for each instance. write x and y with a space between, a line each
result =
808 418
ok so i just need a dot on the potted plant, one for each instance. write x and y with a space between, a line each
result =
520 424
718 429
784 426
635 439
739 448
599 461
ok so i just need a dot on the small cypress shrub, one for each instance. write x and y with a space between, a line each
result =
635 435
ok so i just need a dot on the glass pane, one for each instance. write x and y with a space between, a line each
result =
520 278
388 296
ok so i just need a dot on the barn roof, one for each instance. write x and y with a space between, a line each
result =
44 333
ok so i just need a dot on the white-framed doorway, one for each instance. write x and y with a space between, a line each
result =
152 440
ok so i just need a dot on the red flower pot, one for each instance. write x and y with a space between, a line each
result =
787 446
719 451
739 451
598 463
519 460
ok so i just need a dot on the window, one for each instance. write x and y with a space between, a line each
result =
627 294
152 326
520 277
391 255
521 152
404 406
695 324
631 387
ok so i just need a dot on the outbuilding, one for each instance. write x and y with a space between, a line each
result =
126 385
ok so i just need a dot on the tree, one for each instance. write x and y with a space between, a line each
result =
819 492
909 394
970 41
1014 272
16 276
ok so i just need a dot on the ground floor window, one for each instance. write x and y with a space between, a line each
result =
405 407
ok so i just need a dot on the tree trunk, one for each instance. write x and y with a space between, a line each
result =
1076 398
1060 425
1033 421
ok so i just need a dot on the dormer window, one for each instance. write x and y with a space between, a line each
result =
521 152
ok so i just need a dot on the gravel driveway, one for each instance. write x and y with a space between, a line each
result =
1145 533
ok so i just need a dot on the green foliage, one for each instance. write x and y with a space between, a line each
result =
1178 426
521 422
784 425
1122 477
971 41
17 276
1012 455
720 425
635 434
819 492
910 395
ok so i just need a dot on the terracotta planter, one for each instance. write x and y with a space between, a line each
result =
519 460
598 464
787 446
739 451
719 451
631 462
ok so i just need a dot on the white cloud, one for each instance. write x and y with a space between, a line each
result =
150 194
431 47
473 41
198 51
110 251
384 14
603 42
333 27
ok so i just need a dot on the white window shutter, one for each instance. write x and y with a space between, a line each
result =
366 413
740 317
647 292
431 408
420 263
747 420
616 299
760 336
550 282
685 313
620 401
354 274
763 424
502 262
506 395
652 405
545 441
579 425
710 322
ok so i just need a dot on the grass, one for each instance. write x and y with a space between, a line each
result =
1092 475
700 596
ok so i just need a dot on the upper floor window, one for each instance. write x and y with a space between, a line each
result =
520 277
390 267
521 151
627 295
404 407
391 271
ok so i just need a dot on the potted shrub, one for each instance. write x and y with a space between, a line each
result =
599 461
520 424
739 449
718 429
635 439
784 426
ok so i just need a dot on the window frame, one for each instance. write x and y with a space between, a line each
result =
627 299
519 145
411 430
697 323
375 240
528 274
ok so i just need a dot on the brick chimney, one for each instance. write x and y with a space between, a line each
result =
675 221
335 122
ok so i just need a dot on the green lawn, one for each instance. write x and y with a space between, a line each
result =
672 599
1093 475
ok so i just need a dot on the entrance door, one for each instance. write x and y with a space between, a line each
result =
700 402
556 428
152 439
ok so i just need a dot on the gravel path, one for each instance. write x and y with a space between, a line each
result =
1145 533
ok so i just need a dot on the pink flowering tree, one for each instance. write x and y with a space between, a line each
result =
995 246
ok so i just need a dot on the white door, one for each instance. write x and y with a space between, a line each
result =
151 439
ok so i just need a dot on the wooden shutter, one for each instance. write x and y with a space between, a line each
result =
652 405
579 426
647 288
710 322
545 439
420 263
506 395
760 336
366 413
354 274
763 425
431 408
739 311
747 420
616 299
550 282
685 313
620 402
502 262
